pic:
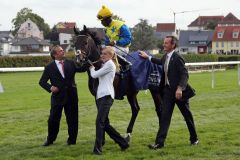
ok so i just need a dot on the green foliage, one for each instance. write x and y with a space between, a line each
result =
39 61
190 58
25 109
200 58
28 61
211 25
116 17
26 13
143 36
160 44
229 58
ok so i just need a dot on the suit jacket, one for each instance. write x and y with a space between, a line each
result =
67 86
177 74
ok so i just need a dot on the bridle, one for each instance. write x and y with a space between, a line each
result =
83 55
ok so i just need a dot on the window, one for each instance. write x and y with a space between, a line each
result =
222 44
220 34
231 44
237 44
202 42
235 34
65 41
216 44
35 46
29 26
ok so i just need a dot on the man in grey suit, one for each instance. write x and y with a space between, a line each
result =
61 73
175 90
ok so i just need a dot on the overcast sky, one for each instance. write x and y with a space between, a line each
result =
84 11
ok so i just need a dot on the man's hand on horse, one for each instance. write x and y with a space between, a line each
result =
143 54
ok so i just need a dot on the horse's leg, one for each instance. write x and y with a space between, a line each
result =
132 99
158 103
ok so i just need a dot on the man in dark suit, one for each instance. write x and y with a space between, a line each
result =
175 90
61 73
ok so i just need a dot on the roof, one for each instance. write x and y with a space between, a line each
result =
67 24
5 32
165 27
185 37
198 37
227 33
204 20
65 30
5 36
30 41
230 19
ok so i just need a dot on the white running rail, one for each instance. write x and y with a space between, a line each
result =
30 69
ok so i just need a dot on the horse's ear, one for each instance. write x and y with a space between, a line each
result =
76 31
85 28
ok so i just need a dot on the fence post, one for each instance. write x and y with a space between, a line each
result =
239 74
1 88
213 78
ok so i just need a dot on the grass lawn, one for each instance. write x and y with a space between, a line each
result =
24 110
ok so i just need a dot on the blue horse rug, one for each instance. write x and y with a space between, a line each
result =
145 74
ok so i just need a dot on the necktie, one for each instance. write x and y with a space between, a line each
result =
166 69
62 64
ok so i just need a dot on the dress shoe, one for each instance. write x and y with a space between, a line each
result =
97 151
155 146
71 143
194 142
47 143
125 147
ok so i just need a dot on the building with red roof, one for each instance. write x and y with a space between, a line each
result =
165 29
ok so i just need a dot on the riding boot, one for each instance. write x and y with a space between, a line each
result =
125 64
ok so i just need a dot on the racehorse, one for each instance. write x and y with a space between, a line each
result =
88 50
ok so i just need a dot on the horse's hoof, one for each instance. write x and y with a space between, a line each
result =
128 137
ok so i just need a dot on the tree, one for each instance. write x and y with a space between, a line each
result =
26 13
116 17
160 45
211 25
143 36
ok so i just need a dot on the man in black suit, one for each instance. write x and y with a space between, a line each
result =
175 90
61 73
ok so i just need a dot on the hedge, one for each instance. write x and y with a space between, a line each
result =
39 61
229 58
190 58
27 61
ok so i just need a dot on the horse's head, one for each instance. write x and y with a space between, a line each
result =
87 46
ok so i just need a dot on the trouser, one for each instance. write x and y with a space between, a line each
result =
122 51
71 113
102 124
122 54
169 101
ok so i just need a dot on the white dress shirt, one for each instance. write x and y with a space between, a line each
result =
105 76
168 57
59 65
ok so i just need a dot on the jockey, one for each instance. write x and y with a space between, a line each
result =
117 35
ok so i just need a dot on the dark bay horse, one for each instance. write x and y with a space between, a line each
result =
88 50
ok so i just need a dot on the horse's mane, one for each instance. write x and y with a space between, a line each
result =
91 32
94 36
